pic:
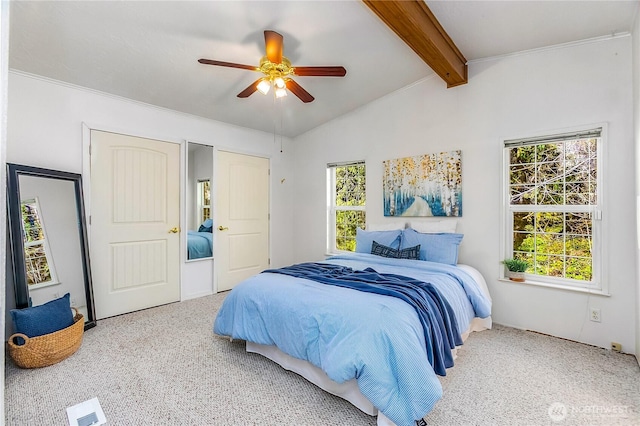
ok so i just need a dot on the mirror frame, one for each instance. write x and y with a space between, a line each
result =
14 171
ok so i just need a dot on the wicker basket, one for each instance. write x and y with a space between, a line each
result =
48 349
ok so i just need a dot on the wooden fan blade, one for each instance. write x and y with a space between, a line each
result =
273 46
249 90
320 71
297 90
227 64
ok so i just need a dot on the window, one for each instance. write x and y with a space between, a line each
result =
346 185
204 200
37 255
553 195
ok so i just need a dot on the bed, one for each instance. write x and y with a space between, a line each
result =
199 244
371 349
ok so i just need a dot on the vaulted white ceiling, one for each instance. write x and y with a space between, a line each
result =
148 51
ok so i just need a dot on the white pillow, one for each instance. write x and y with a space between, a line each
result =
390 226
435 227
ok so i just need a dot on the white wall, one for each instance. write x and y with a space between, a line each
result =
4 75
524 94
45 130
636 116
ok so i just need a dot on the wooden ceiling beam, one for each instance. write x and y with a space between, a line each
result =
414 23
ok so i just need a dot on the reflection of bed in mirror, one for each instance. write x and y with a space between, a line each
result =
199 208
200 242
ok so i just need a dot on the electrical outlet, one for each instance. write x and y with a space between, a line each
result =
595 315
615 346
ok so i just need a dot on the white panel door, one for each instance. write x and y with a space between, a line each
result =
135 214
242 218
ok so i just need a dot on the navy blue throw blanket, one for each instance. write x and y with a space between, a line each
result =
436 316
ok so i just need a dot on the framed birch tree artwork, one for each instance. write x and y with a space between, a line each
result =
425 185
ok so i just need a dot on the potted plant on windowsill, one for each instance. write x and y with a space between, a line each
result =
516 269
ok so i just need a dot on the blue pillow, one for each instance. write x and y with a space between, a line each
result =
43 319
207 226
441 248
364 239
412 253
384 251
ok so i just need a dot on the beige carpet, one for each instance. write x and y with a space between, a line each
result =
163 366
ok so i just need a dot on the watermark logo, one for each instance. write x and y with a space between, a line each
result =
558 411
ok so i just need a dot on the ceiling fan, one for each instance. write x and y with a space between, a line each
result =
278 71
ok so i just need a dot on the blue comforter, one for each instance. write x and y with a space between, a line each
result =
436 316
199 244
376 339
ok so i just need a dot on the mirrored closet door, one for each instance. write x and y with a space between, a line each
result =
199 202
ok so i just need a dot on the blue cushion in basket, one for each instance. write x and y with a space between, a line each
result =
43 319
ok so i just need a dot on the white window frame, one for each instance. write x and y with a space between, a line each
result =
201 205
332 208
44 242
597 285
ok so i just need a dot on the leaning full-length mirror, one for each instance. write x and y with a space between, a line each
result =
48 238
199 208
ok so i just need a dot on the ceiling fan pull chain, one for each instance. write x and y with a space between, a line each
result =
281 125
274 122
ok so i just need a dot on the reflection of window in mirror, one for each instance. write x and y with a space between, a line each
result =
204 200
38 261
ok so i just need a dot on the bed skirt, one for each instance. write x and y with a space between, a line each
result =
348 390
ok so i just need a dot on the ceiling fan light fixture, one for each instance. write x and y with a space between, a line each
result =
279 82
277 70
264 86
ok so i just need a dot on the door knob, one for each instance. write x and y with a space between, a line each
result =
174 230
222 228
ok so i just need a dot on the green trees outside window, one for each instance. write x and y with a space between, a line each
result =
39 267
347 209
204 200
552 201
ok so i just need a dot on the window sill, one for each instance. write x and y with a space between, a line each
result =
596 292
43 285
